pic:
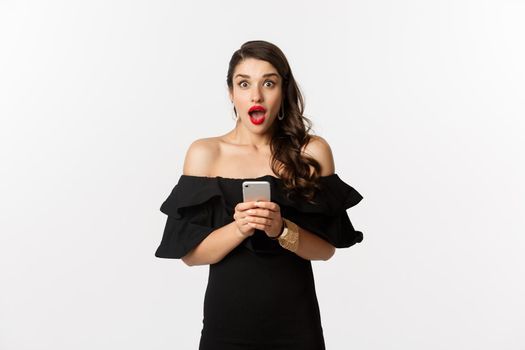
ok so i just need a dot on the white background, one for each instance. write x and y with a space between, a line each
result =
421 101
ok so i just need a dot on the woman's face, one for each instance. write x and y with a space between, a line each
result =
256 83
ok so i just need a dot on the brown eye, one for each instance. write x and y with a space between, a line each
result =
242 82
271 82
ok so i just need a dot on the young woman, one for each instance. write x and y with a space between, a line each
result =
261 291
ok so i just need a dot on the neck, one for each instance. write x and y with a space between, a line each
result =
242 136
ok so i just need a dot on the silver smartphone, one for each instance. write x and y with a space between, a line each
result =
256 191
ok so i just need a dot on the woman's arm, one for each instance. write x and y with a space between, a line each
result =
220 242
311 246
267 217
215 246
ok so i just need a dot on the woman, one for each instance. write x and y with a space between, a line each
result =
261 292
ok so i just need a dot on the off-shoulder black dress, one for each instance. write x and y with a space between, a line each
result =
260 295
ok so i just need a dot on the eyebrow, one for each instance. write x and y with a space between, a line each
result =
264 75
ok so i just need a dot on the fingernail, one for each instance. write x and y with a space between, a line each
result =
251 211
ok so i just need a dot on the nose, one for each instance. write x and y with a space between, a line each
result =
256 94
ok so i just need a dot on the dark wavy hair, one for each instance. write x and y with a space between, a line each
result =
290 134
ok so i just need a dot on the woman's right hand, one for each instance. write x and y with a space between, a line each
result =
240 218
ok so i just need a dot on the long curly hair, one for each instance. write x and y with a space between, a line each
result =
291 133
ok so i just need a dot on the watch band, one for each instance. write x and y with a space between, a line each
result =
283 228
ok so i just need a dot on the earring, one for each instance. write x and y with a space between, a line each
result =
280 116
236 115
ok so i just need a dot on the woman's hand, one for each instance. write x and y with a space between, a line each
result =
265 216
242 216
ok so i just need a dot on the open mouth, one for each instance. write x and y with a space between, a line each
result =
257 114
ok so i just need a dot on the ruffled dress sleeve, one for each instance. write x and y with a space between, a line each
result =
199 205
195 208
328 218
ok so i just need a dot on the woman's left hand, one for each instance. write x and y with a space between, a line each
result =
266 217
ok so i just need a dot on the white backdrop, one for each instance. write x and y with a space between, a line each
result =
421 101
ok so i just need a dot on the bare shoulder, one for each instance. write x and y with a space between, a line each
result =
199 157
319 149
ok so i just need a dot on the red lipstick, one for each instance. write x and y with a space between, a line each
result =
257 114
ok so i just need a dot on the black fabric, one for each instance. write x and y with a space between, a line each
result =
197 205
249 290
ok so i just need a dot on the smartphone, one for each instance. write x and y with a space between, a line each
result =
256 191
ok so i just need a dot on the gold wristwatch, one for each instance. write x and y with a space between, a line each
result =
289 238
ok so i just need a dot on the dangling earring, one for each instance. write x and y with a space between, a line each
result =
281 115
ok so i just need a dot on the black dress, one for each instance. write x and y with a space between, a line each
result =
260 295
